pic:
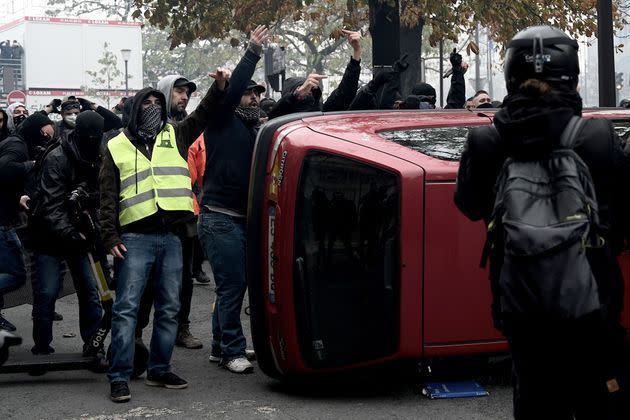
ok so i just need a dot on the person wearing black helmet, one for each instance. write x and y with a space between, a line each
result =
565 338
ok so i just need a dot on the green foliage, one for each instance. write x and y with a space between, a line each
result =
108 75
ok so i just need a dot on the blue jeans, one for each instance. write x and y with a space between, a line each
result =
47 283
12 269
223 240
156 257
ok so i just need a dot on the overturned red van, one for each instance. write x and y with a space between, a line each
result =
356 252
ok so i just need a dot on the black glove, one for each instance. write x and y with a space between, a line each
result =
379 80
401 64
85 104
456 59
55 104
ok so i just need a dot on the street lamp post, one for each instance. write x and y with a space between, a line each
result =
126 53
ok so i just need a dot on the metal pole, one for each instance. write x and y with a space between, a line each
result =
441 73
477 62
489 70
605 52
126 80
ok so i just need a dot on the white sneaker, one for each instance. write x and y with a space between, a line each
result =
239 365
216 358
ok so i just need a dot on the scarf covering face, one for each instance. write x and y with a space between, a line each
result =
150 122
250 115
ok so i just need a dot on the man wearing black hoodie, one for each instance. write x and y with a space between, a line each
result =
146 197
565 367
229 140
305 95
71 168
13 168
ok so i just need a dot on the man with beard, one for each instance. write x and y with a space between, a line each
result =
229 139
146 197
71 166
16 161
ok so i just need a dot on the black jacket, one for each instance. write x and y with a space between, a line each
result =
229 145
14 166
186 132
53 224
527 126
339 100
112 122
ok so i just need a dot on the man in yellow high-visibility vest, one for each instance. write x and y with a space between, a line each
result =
145 195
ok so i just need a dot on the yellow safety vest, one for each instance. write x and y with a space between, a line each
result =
145 185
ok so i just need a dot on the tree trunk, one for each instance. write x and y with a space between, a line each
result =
411 44
391 40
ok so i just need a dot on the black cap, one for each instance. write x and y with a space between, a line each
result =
89 125
423 89
259 89
182 81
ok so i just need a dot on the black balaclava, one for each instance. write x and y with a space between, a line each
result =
150 122
89 134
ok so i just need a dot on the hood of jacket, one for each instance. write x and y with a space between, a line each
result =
30 132
134 116
165 85
530 126
10 110
291 85
4 132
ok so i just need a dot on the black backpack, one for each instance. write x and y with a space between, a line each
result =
545 216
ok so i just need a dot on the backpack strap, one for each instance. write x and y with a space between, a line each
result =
571 130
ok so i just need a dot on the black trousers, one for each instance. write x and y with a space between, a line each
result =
561 369
144 313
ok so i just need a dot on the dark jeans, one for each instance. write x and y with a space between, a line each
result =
198 256
560 371
12 269
223 239
47 283
144 314
150 257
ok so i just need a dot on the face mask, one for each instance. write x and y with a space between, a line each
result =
19 119
485 105
70 120
150 122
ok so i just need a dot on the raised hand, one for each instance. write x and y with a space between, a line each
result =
311 82
354 39
222 75
259 35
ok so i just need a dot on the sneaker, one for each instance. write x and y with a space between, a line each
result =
187 340
238 365
6 325
57 316
167 380
201 277
119 392
215 357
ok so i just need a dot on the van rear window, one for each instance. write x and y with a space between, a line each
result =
445 143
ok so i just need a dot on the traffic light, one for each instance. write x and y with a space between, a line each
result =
619 81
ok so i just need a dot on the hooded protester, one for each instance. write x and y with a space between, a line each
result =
67 186
146 199
304 94
4 128
70 109
17 113
16 162
177 90
583 348
229 139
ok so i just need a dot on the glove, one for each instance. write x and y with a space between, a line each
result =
379 80
401 64
55 104
456 59
85 104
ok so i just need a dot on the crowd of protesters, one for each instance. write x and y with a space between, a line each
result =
159 190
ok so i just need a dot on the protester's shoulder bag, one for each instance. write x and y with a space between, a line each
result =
545 217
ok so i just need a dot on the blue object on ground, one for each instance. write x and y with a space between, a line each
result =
458 389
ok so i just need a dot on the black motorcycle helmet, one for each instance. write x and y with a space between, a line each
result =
544 53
